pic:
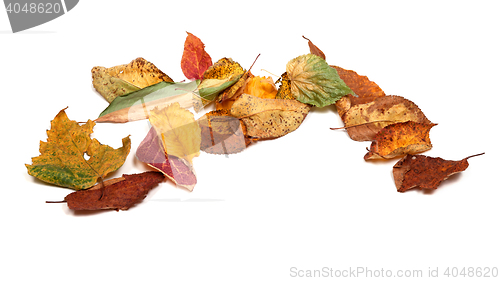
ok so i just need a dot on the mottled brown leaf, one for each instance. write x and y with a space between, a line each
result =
425 172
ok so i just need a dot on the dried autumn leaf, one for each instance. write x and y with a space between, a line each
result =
178 170
399 139
364 121
425 172
137 105
123 79
222 133
179 132
269 118
313 81
262 87
120 195
226 99
195 60
284 91
62 158
314 49
366 91
218 77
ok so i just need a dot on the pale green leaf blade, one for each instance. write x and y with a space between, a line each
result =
314 82
136 105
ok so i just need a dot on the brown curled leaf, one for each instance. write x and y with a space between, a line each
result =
119 195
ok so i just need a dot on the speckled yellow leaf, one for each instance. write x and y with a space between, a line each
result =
363 121
126 78
269 118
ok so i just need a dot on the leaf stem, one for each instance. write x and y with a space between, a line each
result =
474 155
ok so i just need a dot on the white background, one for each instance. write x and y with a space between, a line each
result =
307 200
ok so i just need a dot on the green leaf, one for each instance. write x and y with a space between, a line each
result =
314 82
210 88
136 105
62 158
218 77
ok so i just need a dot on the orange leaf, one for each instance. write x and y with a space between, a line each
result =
425 172
399 139
195 60
261 87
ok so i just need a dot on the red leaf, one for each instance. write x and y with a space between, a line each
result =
194 59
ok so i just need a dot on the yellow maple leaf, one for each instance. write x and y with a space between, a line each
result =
178 130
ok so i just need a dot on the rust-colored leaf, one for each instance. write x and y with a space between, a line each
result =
195 60
425 172
366 91
151 152
118 194
314 49
364 121
399 139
